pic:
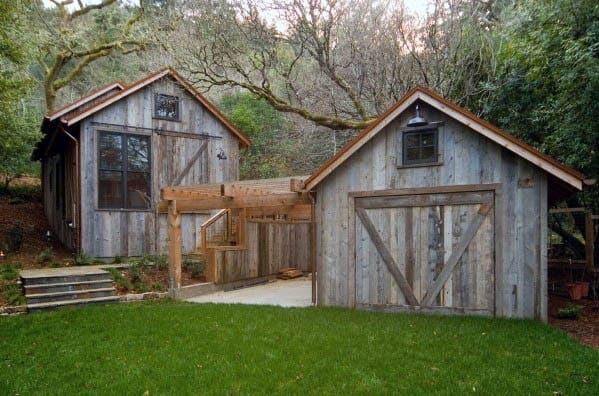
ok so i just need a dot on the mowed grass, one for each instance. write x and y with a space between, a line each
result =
173 348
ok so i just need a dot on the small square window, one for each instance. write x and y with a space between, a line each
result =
420 147
166 107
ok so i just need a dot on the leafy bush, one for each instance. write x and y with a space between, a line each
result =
45 256
9 287
117 260
136 271
56 264
14 238
82 259
119 279
571 311
16 201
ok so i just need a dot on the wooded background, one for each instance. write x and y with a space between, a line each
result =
301 77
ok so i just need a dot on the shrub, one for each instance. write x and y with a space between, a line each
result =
157 287
570 311
119 279
82 259
14 238
16 201
9 288
56 264
45 256
136 271
117 260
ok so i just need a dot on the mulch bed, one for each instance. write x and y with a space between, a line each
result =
29 215
154 276
585 329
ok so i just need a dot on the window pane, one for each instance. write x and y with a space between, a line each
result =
428 153
138 188
412 140
111 156
166 106
110 194
428 139
138 153
413 154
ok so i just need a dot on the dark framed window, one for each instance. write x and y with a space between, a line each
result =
124 172
420 147
166 107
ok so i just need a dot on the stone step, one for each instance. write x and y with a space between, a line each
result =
71 303
33 299
63 275
66 287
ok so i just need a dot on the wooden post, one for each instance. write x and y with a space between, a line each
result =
174 246
313 248
589 240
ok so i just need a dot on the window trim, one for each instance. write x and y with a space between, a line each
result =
178 109
438 128
124 170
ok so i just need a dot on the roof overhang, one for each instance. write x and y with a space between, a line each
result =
243 139
550 165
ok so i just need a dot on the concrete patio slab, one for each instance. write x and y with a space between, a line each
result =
284 293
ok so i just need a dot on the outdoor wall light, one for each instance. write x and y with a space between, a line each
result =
221 154
417 120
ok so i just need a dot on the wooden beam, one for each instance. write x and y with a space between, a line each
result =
567 210
298 211
456 254
296 185
172 193
387 257
427 190
313 249
174 245
457 198
239 190
288 199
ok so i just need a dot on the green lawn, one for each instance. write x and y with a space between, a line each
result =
178 348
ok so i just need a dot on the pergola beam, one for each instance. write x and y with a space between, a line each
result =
251 201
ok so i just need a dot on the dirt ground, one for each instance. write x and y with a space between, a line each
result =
585 329
30 216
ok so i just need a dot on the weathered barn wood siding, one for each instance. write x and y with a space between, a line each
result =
270 246
467 158
109 233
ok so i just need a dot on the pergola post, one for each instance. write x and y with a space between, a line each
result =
313 247
174 246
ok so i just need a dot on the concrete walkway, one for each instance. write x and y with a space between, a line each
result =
284 293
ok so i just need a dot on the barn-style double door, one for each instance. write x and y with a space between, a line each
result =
428 252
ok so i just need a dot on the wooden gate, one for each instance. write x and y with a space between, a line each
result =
426 252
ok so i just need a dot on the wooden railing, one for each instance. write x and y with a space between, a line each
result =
211 222
233 237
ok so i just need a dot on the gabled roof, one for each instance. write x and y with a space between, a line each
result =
504 139
75 117
115 85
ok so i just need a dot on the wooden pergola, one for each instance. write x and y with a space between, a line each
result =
249 199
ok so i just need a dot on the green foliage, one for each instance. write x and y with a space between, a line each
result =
83 259
571 311
14 238
268 156
136 271
45 256
258 350
121 281
56 264
10 290
19 122
546 90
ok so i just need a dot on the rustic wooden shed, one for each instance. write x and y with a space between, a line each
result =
106 156
436 212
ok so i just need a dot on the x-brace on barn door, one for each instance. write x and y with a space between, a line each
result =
432 250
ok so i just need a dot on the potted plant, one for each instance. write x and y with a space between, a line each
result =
574 290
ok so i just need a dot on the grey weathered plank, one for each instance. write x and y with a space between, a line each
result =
386 256
432 292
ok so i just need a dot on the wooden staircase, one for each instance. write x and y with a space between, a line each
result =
59 287
225 230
